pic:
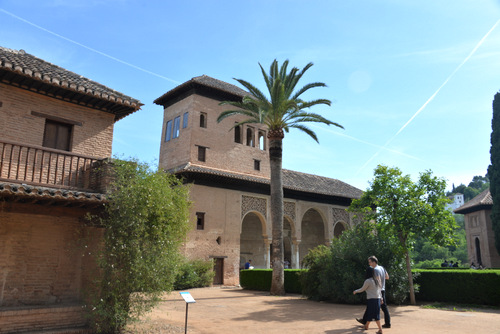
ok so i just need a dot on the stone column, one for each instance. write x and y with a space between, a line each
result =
295 254
267 257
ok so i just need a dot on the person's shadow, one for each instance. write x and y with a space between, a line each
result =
353 330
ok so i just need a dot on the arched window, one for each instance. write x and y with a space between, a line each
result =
478 252
250 137
203 120
237 134
262 140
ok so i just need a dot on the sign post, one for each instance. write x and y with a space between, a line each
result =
188 299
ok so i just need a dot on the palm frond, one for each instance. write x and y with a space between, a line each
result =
307 87
225 114
283 108
306 130
308 104
252 89
303 116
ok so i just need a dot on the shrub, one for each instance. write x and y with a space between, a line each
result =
333 273
145 219
194 274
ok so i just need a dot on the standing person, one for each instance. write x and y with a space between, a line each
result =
248 264
373 288
383 275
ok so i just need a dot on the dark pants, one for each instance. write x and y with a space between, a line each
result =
383 307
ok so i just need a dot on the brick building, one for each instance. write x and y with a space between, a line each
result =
57 128
479 232
228 172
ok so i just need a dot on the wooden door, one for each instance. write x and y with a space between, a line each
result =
219 271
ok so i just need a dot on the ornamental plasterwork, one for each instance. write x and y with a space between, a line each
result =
289 210
250 203
340 215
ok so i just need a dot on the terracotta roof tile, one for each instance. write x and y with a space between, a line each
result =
478 202
26 65
292 180
39 194
203 81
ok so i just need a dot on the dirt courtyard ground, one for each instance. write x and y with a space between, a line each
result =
233 310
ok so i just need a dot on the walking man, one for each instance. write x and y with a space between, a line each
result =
382 273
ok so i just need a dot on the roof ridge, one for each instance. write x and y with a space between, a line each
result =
296 171
228 171
39 69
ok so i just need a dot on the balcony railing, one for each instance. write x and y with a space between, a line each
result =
41 166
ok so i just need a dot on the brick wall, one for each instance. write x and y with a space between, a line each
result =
92 135
47 318
222 150
41 257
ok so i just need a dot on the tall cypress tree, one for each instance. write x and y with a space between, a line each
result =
494 170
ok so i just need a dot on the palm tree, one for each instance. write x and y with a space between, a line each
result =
284 109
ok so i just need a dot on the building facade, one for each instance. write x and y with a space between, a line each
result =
227 168
480 237
57 129
457 200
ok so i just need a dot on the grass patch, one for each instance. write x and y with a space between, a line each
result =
459 307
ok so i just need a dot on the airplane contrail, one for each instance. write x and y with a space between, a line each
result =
89 48
364 142
431 98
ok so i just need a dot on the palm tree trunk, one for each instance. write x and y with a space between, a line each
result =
275 159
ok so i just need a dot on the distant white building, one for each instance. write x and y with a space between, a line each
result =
458 201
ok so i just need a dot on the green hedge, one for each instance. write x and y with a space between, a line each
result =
260 279
448 285
459 286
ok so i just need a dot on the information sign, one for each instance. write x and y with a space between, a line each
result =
187 297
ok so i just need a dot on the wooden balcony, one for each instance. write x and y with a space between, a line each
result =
42 166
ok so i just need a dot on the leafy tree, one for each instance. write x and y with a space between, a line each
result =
282 110
425 251
494 170
404 209
479 182
145 220
334 272
475 187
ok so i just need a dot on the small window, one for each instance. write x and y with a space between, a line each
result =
185 120
57 135
203 120
177 127
256 164
168 133
237 134
202 153
250 139
200 220
262 140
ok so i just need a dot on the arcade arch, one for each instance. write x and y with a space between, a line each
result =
253 240
339 228
313 232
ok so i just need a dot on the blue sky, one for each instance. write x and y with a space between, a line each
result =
412 82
